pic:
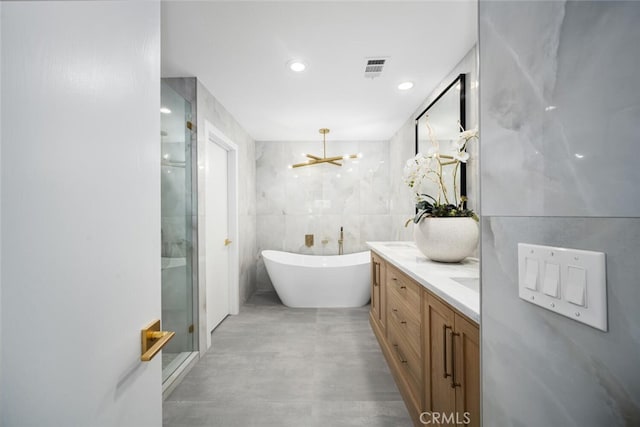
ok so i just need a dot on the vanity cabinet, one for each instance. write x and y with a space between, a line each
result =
431 348
404 332
451 362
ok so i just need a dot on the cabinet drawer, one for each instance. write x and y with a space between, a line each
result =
408 362
408 325
405 289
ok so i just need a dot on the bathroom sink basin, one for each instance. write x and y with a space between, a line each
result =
472 283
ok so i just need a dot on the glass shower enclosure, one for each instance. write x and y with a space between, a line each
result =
179 225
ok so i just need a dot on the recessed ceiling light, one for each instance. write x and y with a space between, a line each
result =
405 85
165 110
297 65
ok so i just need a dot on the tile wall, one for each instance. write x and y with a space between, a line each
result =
560 102
320 199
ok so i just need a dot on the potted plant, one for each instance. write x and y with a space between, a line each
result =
445 229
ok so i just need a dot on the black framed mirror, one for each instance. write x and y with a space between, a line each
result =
442 121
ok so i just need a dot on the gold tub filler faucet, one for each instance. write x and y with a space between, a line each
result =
340 241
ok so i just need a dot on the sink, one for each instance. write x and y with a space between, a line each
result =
472 283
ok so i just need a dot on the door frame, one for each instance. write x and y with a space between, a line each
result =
216 136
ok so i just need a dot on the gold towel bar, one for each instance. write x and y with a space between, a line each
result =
153 339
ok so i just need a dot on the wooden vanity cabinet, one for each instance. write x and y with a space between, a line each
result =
451 362
404 333
431 348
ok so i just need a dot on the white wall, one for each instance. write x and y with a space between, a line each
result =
80 215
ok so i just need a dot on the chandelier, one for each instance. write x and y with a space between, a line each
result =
315 160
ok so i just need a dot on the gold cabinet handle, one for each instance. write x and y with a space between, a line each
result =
153 339
376 277
454 383
444 350
227 242
375 273
403 360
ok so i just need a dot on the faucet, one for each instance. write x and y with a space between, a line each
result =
340 241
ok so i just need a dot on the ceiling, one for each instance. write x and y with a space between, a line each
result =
239 51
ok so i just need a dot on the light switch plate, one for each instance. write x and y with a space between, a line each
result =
582 279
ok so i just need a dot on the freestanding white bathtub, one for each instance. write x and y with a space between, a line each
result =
320 281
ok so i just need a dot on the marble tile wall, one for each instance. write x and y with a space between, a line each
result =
560 100
542 369
402 147
320 199
558 108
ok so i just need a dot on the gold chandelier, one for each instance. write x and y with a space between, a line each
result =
315 160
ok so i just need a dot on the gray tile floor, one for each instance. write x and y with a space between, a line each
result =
273 366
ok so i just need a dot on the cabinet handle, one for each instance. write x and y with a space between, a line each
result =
403 287
404 322
376 273
395 310
400 356
454 384
444 351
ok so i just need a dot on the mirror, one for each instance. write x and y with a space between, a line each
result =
441 122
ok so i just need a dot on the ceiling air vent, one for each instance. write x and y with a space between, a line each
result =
374 66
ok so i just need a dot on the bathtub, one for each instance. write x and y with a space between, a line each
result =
320 281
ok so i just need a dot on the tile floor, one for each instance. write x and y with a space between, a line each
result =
273 366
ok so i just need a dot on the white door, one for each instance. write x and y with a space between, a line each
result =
80 213
217 234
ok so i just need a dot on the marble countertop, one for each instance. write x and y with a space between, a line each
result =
457 284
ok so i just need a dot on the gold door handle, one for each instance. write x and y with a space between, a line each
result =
153 339
227 242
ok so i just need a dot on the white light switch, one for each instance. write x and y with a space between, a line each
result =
551 279
569 282
576 285
531 274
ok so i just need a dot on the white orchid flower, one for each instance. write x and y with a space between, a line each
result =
461 156
468 134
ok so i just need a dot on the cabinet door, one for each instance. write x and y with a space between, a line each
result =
467 369
438 323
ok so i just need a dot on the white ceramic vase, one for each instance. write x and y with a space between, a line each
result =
447 239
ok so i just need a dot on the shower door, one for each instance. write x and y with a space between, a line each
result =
178 229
